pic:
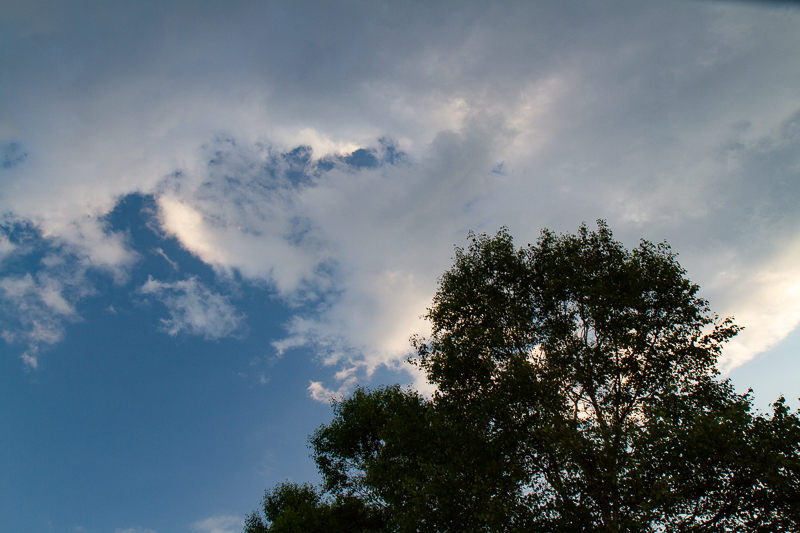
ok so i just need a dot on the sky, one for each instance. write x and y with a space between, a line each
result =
215 216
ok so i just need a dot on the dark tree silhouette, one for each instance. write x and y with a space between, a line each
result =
576 391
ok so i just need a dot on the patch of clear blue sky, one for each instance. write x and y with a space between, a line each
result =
771 374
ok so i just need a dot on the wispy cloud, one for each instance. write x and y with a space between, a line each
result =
36 307
173 264
45 276
195 309
219 524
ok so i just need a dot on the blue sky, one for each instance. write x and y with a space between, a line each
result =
216 215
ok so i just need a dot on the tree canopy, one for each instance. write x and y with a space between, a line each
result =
576 390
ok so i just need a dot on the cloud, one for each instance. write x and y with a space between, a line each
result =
135 530
173 264
347 377
6 247
45 276
195 309
668 122
322 394
239 212
769 305
36 306
219 524
355 247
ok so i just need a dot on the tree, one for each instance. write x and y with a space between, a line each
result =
576 391
293 508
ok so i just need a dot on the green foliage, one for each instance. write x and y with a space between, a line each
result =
292 508
576 391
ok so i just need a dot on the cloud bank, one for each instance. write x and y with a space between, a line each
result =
333 155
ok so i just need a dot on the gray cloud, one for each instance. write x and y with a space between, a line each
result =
673 121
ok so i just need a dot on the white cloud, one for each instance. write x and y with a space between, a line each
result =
32 293
235 214
135 530
35 309
361 248
35 306
219 524
322 394
195 309
31 362
173 264
769 305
